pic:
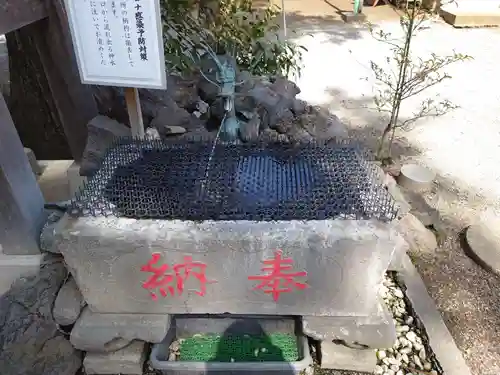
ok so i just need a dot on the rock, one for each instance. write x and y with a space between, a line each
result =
272 103
48 231
128 360
411 336
101 132
484 246
173 130
299 135
97 332
68 304
427 215
111 103
30 342
243 103
299 107
285 88
170 114
418 237
202 110
322 125
336 356
396 193
183 90
381 354
285 122
249 130
152 134
245 81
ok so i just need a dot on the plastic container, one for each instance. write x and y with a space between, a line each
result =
184 326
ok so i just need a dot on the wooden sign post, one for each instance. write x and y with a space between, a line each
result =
119 43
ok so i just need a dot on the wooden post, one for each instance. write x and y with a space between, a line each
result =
15 14
284 17
22 213
134 111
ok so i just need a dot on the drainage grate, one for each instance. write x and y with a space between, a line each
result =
167 180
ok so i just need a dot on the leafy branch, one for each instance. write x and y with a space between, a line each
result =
411 77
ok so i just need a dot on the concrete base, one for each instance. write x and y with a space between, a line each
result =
340 357
96 332
129 360
375 331
13 267
351 17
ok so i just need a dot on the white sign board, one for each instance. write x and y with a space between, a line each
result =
118 42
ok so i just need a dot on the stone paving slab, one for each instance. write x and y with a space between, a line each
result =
484 247
440 339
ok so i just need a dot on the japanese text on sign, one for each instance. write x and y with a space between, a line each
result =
168 280
118 42
278 278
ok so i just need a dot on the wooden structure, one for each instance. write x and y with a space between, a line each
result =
44 23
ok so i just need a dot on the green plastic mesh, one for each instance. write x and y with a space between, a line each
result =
277 347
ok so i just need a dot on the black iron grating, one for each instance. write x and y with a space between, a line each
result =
165 180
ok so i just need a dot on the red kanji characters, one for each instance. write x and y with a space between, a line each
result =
278 280
168 283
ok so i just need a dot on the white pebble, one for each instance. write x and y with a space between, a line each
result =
394 361
405 351
378 370
402 329
433 372
411 336
427 366
400 372
398 293
381 354
418 346
404 358
409 320
422 355
416 360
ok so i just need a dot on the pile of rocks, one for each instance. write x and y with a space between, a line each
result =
267 107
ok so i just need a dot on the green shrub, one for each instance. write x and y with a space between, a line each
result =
251 36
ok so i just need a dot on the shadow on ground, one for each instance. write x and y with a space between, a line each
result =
467 295
337 30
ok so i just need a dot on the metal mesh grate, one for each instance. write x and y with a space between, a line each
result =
163 180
